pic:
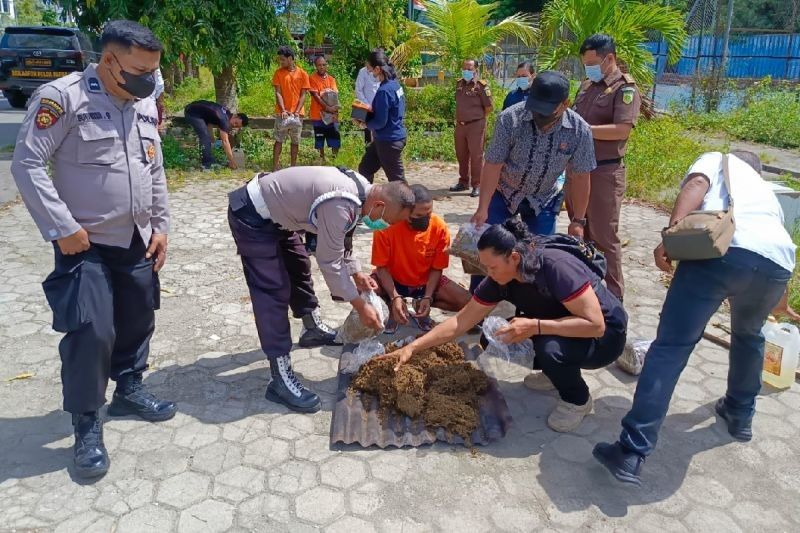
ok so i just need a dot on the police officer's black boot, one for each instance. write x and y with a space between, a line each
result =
316 332
133 398
91 457
285 388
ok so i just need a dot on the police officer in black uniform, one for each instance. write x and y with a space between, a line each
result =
105 211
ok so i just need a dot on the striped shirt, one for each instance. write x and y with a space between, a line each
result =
533 160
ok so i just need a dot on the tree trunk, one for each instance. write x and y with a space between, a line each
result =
169 79
225 88
188 69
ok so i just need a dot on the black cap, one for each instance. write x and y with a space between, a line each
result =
548 89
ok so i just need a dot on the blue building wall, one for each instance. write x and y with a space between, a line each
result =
751 56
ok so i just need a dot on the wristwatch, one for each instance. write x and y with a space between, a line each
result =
581 221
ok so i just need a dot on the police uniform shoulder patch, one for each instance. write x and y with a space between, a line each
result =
627 95
151 152
52 105
46 116
94 85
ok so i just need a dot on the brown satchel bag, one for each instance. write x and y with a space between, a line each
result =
702 234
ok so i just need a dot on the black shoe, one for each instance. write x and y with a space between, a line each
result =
316 332
476 191
624 465
740 429
285 388
133 398
458 187
91 457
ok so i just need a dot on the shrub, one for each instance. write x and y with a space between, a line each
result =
768 116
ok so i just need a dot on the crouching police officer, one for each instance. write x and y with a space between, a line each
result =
264 217
105 211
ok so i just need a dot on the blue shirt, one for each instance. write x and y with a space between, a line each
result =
388 112
515 97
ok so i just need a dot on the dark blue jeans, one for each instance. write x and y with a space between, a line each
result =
754 286
542 224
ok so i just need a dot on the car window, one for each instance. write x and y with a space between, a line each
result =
86 45
38 41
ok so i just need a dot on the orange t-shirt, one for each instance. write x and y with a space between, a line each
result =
291 83
319 84
410 255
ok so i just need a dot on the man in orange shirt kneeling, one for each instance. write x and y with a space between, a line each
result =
409 259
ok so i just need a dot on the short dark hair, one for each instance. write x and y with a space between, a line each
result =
750 158
527 65
600 43
513 236
398 193
286 51
127 33
244 118
421 194
318 58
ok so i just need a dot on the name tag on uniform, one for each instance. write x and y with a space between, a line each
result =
92 116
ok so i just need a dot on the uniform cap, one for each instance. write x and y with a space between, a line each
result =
548 89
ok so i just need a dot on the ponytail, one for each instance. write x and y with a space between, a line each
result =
377 58
513 236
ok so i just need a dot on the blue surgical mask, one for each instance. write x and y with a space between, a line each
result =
523 83
375 224
595 72
468 75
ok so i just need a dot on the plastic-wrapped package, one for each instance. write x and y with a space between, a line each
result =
353 331
632 358
498 348
465 246
362 353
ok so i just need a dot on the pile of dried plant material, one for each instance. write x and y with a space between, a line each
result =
437 386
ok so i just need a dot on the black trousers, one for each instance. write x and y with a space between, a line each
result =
201 129
104 300
386 155
561 359
277 270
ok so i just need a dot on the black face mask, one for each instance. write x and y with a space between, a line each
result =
420 224
542 121
139 86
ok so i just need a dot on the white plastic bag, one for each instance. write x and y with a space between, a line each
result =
353 331
465 246
498 348
632 358
362 353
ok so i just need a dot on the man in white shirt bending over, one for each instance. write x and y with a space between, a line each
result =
752 275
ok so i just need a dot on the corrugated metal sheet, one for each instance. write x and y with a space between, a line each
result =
353 424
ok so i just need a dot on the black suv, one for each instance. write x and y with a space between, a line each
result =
32 56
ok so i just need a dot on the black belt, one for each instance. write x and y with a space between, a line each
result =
465 122
609 161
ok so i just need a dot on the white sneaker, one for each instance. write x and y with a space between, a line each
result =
538 381
567 417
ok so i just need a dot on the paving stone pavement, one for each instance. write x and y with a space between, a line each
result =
230 460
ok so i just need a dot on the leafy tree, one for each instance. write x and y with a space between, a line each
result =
565 24
28 12
356 26
461 29
228 35
225 35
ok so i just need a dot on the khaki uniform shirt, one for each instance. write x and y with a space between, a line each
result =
473 99
291 193
613 100
107 168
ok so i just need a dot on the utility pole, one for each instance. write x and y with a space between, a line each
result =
727 38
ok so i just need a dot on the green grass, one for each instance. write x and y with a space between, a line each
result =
770 117
659 152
